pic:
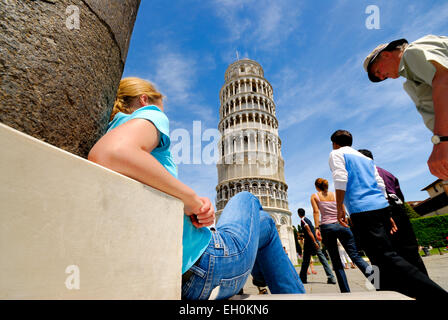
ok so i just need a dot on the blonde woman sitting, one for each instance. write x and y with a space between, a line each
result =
245 239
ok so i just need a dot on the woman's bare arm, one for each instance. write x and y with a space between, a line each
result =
316 214
315 210
126 149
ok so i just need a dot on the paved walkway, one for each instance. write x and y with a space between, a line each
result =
437 266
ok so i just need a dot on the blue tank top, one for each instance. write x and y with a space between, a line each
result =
194 240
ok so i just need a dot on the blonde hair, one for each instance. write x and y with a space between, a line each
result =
130 88
321 184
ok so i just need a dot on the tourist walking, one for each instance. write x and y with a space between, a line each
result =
359 186
404 238
326 220
344 257
311 247
311 267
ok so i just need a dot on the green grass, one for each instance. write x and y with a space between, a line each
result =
434 251
315 263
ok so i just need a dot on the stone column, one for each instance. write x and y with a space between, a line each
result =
60 65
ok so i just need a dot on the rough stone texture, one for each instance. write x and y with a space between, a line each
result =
116 15
57 84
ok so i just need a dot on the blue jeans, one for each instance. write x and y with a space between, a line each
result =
245 241
307 253
330 233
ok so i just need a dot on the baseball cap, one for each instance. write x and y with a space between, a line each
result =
376 52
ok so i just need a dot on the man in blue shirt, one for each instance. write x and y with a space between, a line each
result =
359 186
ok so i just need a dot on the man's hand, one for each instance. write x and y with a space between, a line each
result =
316 244
340 195
394 226
438 161
342 218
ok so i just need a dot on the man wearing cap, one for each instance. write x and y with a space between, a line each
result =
424 63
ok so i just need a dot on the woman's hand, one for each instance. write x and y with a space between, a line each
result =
318 235
206 215
192 204
201 211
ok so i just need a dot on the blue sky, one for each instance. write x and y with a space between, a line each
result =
312 54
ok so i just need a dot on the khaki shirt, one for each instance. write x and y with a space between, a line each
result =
416 67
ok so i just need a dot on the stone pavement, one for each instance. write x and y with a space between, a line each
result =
437 266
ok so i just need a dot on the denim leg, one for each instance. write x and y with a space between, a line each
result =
348 242
239 227
272 261
306 259
240 220
329 238
231 253
257 275
325 264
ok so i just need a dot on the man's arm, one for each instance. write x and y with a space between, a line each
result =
438 161
338 170
340 195
308 230
340 178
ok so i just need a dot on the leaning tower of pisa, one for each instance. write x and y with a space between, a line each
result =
250 148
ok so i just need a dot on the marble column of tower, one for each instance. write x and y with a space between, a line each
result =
250 148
